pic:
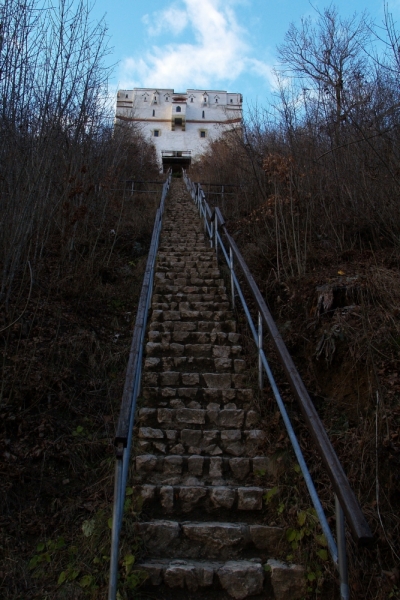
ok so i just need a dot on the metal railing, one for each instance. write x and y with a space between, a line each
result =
346 504
124 433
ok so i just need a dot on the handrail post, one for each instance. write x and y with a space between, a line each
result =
215 235
232 281
341 546
116 527
260 345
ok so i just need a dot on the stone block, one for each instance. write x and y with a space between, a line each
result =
221 351
250 498
159 535
173 465
165 415
189 496
240 467
241 578
195 465
215 467
222 497
218 380
150 433
188 415
169 379
191 437
167 497
190 379
265 538
231 418
288 581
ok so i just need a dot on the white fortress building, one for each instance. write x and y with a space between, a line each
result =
180 125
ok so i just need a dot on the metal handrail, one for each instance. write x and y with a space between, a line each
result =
124 432
345 500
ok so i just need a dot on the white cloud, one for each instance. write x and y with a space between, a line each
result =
171 20
215 53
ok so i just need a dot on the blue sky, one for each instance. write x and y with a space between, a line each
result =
213 44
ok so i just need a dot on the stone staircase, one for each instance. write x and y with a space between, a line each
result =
199 450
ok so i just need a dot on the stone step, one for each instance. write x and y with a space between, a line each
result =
197 326
178 378
209 272
241 396
182 297
211 539
179 470
189 285
214 417
186 498
236 579
210 350
211 442
192 305
215 288
217 338
193 364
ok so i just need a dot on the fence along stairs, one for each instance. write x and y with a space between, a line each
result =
199 448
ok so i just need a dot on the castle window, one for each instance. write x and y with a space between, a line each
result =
145 99
205 100
126 95
202 134
156 133
216 100
231 100
203 115
178 109
191 99
154 113
166 99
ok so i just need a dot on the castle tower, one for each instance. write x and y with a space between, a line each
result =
180 124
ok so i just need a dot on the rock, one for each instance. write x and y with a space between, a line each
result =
188 415
180 574
190 496
191 437
250 498
190 379
173 465
195 465
218 380
222 497
240 467
231 418
146 462
146 491
159 535
265 538
241 578
215 467
288 581
215 536
149 432
171 434
167 497
178 449
169 379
